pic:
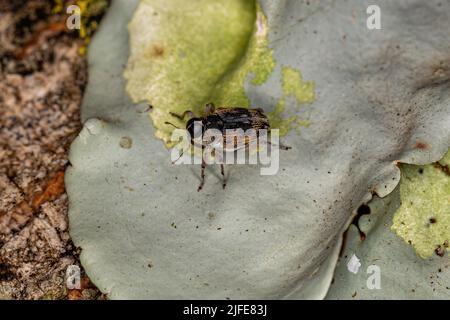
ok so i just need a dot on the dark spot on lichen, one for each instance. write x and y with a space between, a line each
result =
443 167
126 143
440 251
432 220
420 145
157 51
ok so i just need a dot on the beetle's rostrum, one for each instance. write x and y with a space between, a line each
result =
228 121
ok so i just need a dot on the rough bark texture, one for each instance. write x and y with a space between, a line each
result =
42 78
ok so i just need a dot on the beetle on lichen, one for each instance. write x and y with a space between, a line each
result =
231 124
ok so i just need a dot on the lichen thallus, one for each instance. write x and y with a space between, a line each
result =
225 120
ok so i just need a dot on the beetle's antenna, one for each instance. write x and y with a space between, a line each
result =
172 125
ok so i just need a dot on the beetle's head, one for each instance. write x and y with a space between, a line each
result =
195 127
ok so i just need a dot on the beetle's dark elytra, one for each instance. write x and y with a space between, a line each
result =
224 119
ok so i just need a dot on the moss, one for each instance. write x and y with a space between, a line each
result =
423 219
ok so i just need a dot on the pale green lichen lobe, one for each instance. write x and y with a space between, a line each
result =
257 62
179 53
423 219
184 56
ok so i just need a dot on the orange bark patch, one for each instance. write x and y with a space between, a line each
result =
40 37
54 188
77 294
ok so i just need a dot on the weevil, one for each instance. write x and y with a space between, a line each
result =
223 119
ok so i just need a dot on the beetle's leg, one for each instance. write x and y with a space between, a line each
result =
282 147
202 176
224 180
179 157
183 115
147 109
209 108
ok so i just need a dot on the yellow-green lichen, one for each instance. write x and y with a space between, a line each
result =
293 85
303 92
185 53
184 56
58 6
423 219
89 10
257 61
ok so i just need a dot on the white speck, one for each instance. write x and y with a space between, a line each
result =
260 28
93 126
353 264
